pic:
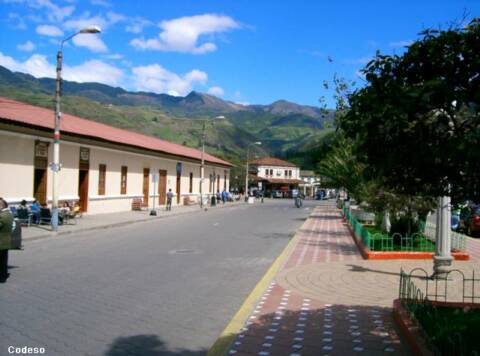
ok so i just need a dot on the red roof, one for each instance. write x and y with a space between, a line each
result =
272 161
15 111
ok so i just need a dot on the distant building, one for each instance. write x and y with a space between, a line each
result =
310 183
272 174
103 168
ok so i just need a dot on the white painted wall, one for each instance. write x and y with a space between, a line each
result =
278 172
17 169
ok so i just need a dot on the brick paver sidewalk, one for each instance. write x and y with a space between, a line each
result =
323 299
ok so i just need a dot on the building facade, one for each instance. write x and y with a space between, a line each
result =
310 183
104 169
271 174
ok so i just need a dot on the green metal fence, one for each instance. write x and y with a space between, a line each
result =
448 330
420 242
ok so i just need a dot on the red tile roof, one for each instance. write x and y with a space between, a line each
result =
272 161
18 112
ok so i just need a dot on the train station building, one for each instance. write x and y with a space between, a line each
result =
103 168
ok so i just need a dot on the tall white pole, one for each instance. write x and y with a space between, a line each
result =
56 135
443 257
202 166
56 143
246 174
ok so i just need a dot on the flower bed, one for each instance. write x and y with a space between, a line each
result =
374 244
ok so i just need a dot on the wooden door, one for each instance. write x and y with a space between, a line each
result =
162 187
178 187
40 185
146 185
83 189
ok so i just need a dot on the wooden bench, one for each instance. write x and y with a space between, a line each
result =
137 204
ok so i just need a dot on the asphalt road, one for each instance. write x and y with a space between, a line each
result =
167 287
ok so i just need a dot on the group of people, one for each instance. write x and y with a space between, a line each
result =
216 198
223 197
65 209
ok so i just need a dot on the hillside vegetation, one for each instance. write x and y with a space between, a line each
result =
285 129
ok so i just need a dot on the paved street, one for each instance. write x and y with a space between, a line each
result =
166 287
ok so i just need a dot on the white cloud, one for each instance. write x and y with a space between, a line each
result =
37 65
86 20
113 56
159 80
17 21
400 44
90 71
217 91
95 71
137 24
237 94
183 34
53 12
90 41
28 46
49 30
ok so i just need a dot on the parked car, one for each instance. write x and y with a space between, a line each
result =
277 194
470 220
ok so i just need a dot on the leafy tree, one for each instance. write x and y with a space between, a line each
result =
417 120
343 169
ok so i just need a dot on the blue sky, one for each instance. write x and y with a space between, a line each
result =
240 50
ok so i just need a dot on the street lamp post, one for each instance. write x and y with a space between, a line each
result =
246 167
202 166
55 166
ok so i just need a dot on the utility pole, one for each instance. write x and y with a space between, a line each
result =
55 166
246 167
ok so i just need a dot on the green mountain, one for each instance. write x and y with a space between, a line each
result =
284 128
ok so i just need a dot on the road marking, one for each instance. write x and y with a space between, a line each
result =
227 337
216 224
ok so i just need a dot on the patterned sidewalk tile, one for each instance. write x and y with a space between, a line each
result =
306 319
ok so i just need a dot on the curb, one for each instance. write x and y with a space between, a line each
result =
119 224
226 338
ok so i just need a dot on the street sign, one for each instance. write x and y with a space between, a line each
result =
179 168
55 167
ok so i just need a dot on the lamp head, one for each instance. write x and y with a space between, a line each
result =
90 29
258 143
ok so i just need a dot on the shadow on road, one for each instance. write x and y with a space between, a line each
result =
146 345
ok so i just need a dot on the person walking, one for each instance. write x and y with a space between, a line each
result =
169 200
6 223
224 196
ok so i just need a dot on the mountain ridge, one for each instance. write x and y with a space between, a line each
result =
283 127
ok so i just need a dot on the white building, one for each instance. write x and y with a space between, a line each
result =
310 183
103 168
273 174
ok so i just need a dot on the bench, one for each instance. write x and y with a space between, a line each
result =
137 204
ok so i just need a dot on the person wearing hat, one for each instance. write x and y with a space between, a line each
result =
6 222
